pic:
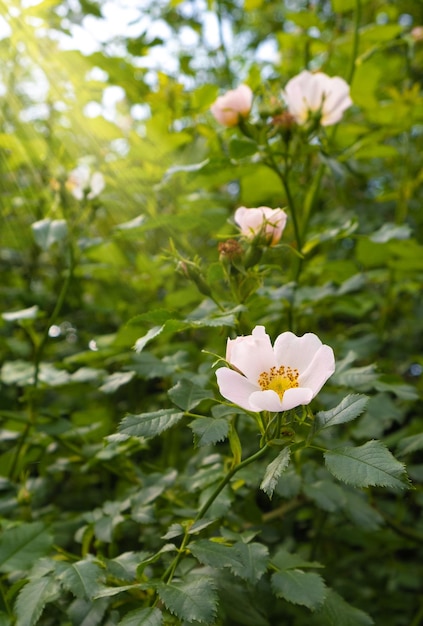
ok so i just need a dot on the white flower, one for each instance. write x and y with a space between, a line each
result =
236 103
277 378
269 223
81 181
311 93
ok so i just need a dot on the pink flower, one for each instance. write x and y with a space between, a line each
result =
311 93
277 378
269 223
236 103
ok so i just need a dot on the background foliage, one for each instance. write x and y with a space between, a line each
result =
113 434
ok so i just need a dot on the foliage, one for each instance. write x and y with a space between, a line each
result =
131 493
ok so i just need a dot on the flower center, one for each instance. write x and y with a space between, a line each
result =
279 379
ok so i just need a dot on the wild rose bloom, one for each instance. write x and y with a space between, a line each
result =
309 93
81 181
277 378
236 103
269 223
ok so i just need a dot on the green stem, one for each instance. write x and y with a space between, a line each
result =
169 573
356 40
37 362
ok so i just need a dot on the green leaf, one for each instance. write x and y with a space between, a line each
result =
143 617
346 411
143 341
410 444
251 561
336 611
47 232
191 601
213 553
116 380
87 612
298 587
33 598
209 430
82 578
149 424
187 395
20 547
241 148
285 560
371 464
328 495
274 471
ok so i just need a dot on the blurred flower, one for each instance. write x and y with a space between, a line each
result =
236 103
277 378
261 222
82 182
417 33
309 93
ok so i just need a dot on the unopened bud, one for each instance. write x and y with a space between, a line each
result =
229 251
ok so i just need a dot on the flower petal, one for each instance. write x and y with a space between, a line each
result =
253 355
321 367
296 397
235 387
267 400
296 352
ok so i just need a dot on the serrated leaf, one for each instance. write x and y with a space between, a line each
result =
351 407
143 617
33 598
298 587
213 553
251 561
82 579
149 424
371 464
274 471
20 547
47 232
209 430
191 601
187 395
336 611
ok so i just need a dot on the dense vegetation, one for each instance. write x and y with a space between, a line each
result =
132 492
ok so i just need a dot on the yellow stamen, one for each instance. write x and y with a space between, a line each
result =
279 379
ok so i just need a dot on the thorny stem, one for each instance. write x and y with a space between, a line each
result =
169 573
